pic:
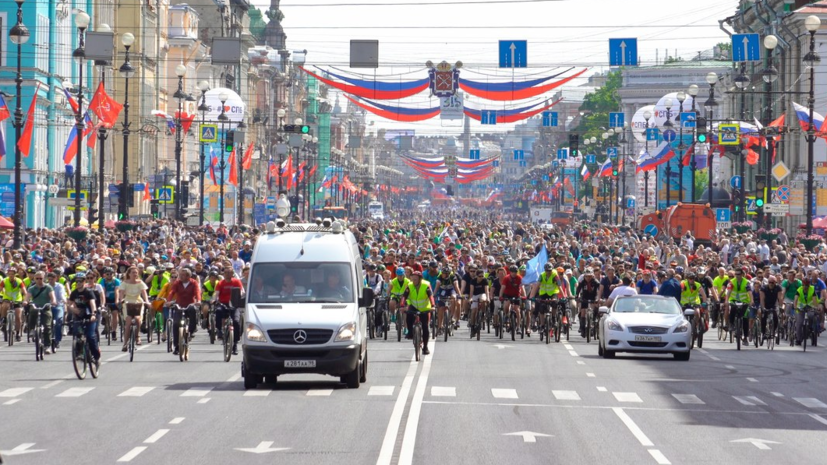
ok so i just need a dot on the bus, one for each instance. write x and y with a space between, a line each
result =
340 213
376 210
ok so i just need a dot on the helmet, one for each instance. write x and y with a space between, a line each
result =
31 269
80 275
446 270
433 264
512 268
108 270
214 273
522 268
400 272
561 270
417 273
547 267
691 276
679 270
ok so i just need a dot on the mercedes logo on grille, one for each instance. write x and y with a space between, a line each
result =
647 330
300 336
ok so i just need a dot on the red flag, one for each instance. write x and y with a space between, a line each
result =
233 178
287 172
105 107
247 161
25 142
311 172
330 182
186 120
778 121
687 157
301 171
146 192
772 141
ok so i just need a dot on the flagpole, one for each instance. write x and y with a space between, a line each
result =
101 155
203 86
19 34
82 22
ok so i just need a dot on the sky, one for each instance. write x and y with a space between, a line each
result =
560 34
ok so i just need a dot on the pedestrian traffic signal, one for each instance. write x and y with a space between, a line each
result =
229 141
574 145
297 128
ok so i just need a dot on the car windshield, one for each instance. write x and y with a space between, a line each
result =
300 282
647 305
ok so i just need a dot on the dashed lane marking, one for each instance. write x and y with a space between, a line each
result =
440 391
627 397
566 395
381 390
504 393
688 399
137 391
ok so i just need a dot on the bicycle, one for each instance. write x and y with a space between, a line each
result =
10 330
499 328
512 316
447 327
382 306
771 337
39 330
398 321
591 324
417 334
544 309
82 357
810 330
739 317
371 316
478 314
227 332
756 333
147 324
168 330
719 322
133 337
183 332
211 329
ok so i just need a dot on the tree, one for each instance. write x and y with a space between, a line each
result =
257 24
597 106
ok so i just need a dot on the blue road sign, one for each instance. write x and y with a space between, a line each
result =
652 133
723 215
735 182
688 119
562 154
651 230
630 203
555 164
549 119
488 117
474 154
612 152
513 53
545 177
622 52
591 159
616 120
165 194
669 135
519 155
746 47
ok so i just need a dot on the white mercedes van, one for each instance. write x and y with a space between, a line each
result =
305 305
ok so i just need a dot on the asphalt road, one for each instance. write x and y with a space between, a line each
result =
487 401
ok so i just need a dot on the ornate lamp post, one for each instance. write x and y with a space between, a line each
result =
179 94
222 164
79 54
127 71
812 23
709 107
19 35
203 86
693 92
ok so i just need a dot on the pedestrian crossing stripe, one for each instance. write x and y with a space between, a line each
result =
165 194
209 133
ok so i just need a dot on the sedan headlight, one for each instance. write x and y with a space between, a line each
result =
346 332
254 333
682 328
614 325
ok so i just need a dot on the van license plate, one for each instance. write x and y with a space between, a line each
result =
299 364
647 338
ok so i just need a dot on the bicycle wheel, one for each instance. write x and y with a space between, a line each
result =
417 340
385 326
480 323
806 335
720 323
589 323
547 328
447 325
107 325
211 326
38 343
501 326
12 333
770 339
94 367
133 337
181 342
702 327
228 342
738 328
371 324
558 326
512 321
169 335
79 357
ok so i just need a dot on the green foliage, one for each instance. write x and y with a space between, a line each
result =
257 23
673 60
598 105
701 181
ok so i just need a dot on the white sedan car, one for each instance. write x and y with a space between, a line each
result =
645 324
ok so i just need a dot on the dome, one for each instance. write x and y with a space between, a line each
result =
720 197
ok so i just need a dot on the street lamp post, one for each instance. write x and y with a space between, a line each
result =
681 146
203 86
79 54
647 115
770 74
742 81
668 170
709 107
127 71
812 23
102 136
622 173
297 122
693 92
19 35
222 117
179 94
280 113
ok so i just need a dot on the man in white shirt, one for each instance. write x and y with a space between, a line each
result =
623 290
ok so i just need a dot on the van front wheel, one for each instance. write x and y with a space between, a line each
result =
353 378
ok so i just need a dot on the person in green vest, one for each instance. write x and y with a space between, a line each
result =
13 292
397 291
805 297
693 294
739 291
207 291
419 298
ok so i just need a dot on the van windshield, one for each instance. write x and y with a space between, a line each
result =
300 282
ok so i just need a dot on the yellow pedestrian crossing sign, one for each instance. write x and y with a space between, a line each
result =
165 194
209 133
71 194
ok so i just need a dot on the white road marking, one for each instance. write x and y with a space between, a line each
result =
580 362
320 392
566 395
381 390
573 353
659 457
703 351
752 380
777 394
156 436
627 397
176 421
568 346
75 392
389 442
504 393
590 375
138 391
644 441
439 391
810 402
52 384
204 400
688 399
14 392
818 419
11 402
409 439
257 393
601 389
749 400
196 392
234 378
132 454
730 367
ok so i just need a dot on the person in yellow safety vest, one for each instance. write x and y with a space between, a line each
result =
692 295
158 278
13 293
806 296
420 299
397 287
738 291
207 291
719 285
550 285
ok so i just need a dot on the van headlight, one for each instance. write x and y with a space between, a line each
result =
346 332
254 333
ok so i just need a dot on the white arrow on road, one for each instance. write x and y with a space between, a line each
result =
501 346
21 449
759 443
622 53
262 448
528 436
512 48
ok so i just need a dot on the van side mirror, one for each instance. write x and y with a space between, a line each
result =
367 298
235 298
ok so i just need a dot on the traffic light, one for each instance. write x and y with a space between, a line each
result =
702 136
93 216
229 141
736 200
297 128
185 193
574 145
614 171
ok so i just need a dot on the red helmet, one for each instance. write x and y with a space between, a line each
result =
417 273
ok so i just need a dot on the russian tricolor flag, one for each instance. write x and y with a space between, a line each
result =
663 154
605 169
803 114
585 172
4 109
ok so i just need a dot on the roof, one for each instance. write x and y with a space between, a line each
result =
817 7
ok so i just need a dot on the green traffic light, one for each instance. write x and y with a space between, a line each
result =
701 138
305 129
614 172
759 203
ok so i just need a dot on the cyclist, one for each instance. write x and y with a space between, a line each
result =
738 291
110 287
41 294
806 296
771 295
693 294
13 293
207 291
186 293
547 287
374 281
607 284
479 298
586 295
223 294
156 281
494 287
647 285
511 292
58 310
446 291
397 290
82 304
790 287
420 299
133 293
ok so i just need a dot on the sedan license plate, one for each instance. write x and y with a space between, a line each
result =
647 338
299 364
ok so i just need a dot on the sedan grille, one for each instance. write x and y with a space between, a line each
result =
647 344
289 337
647 330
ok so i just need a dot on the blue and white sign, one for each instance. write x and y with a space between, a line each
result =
652 134
622 52
591 159
474 154
555 164
630 203
545 177
723 215
562 154
688 119
651 230
735 182
549 119
165 194
612 152
488 117
519 155
669 135
616 120
746 47
513 53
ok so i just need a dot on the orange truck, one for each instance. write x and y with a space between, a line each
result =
676 220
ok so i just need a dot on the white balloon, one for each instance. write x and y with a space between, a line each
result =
659 113
639 123
233 108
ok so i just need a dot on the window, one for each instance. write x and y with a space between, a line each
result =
295 282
